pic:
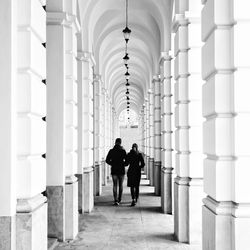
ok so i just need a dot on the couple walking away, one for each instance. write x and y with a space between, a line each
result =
118 159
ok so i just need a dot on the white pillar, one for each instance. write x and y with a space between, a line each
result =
107 133
226 70
71 120
115 125
151 137
147 138
166 128
8 54
143 131
188 183
144 122
157 134
97 135
103 131
85 131
31 218
62 186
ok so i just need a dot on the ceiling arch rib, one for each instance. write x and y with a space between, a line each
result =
141 43
102 26
92 10
119 95
137 74
136 97
136 57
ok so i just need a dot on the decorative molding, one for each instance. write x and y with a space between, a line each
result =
64 19
182 180
86 57
70 179
88 169
30 204
179 20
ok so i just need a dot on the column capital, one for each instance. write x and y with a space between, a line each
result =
156 78
165 56
63 19
179 20
97 78
86 56
150 92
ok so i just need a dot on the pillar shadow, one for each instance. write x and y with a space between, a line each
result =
150 209
168 237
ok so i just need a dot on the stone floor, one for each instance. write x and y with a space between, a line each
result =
124 227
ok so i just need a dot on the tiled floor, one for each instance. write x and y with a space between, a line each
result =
124 227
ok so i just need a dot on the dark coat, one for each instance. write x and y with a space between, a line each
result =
116 158
136 163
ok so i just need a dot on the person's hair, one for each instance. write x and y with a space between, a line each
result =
118 141
134 145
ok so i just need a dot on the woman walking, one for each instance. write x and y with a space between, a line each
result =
136 163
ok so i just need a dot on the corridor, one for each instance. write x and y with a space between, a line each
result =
172 76
142 227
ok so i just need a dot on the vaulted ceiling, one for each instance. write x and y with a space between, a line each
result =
102 25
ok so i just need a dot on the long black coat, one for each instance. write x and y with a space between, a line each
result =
136 163
116 158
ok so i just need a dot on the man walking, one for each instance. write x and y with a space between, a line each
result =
116 158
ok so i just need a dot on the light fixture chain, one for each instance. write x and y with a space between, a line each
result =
126 13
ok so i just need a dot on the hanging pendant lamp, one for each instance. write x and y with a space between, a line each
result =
127 30
127 75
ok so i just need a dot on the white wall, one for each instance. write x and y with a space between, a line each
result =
130 136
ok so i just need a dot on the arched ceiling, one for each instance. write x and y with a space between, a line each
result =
102 25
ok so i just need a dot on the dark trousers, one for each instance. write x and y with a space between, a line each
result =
134 192
117 181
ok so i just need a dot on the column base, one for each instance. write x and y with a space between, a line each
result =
80 192
166 190
71 208
157 177
56 212
226 225
104 173
88 184
151 171
147 166
8 232
108 172
187 216
98 179
31 223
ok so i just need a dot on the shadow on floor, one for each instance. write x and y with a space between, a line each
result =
150 209
146 194
168 236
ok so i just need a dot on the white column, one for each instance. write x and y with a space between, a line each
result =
107 133
71 187
115 125
188 183
147 138
62 186
85 130
151 137
144 121
166 128
8 55
157 134
143 129
31 207
55 125
97 135
102 126
226 70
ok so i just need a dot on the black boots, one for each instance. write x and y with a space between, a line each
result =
133 203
